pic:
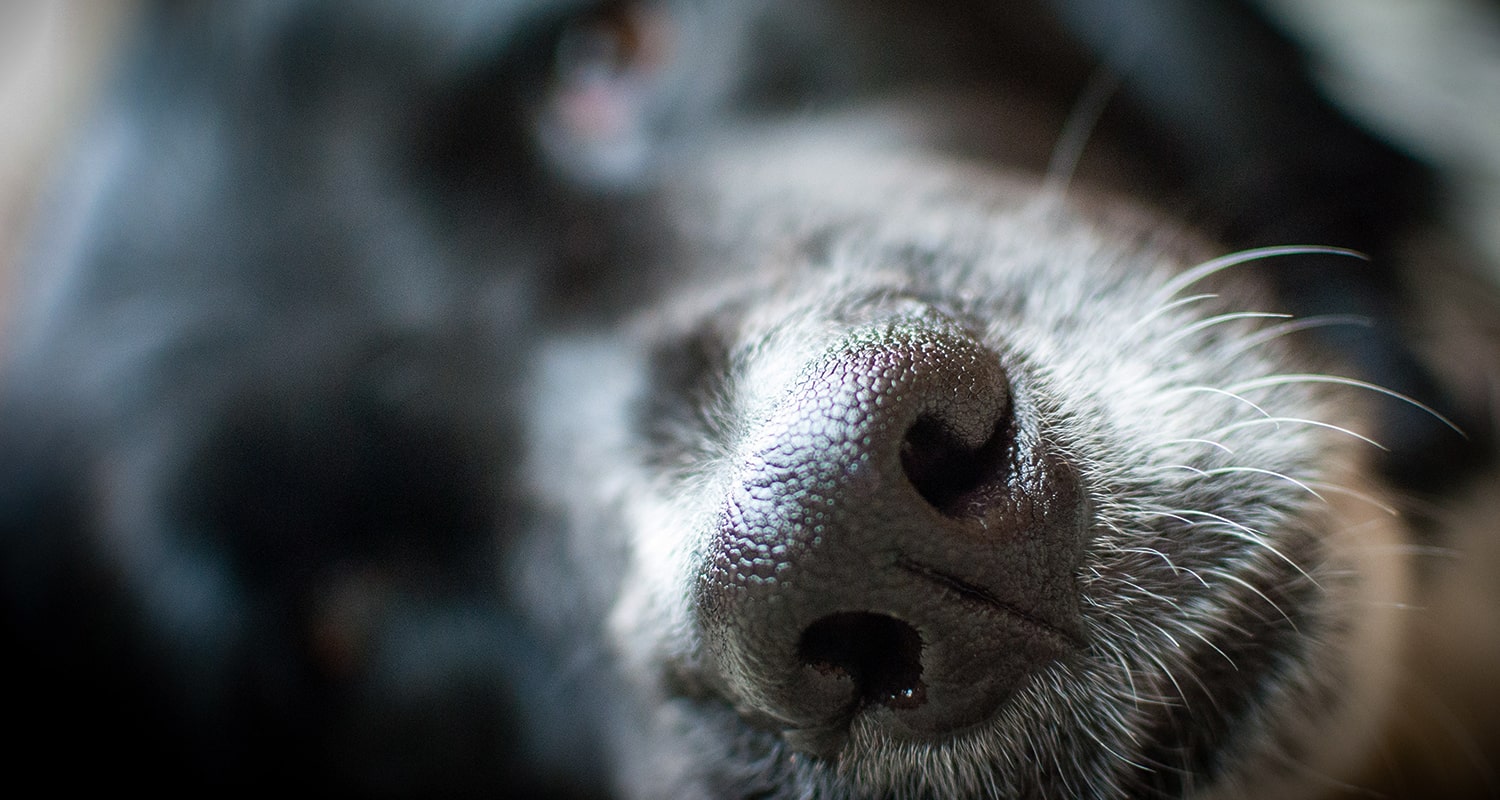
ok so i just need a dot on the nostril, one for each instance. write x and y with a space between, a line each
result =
948 475
880 654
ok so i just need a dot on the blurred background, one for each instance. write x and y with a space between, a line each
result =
52 56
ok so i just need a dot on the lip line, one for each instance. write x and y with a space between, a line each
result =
974 593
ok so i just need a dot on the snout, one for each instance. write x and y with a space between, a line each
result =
899 542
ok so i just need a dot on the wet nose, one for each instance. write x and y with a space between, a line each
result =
900 542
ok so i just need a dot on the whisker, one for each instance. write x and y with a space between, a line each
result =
1199 471
1181 515
1300 421
1220 319
1098 740
1209 442
1204 639
1230 393
1113 653
1297 326
1244 534
1165 559
1082 120
1161 665
1418 550
1333 488
1207 268
1289 379
1267 472
1248 586
1165 308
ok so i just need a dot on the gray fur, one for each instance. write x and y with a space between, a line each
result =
1223 602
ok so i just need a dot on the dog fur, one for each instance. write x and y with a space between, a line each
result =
1075 294
382 376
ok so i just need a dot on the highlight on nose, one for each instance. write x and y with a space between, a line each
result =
898 543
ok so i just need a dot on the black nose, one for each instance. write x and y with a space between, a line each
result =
900 543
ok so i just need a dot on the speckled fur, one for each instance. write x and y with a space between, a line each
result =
1236 569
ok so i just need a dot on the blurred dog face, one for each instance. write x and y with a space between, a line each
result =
920 468
259 427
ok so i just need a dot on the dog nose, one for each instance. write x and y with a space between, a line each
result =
900 544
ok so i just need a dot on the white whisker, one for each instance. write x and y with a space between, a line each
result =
1332 488
1082 119
1300 421
1241 532
1161 665
1182 515
1167 308
1197 634
1267 472
1151 551
1220 319
1207 268
1233 395
1209 442
1199 471
1297 326
1232 578
1337 380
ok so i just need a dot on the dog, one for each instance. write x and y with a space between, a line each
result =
938 484
746 400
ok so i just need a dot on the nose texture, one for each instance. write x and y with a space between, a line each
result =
899 543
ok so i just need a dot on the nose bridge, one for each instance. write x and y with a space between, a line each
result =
829 471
